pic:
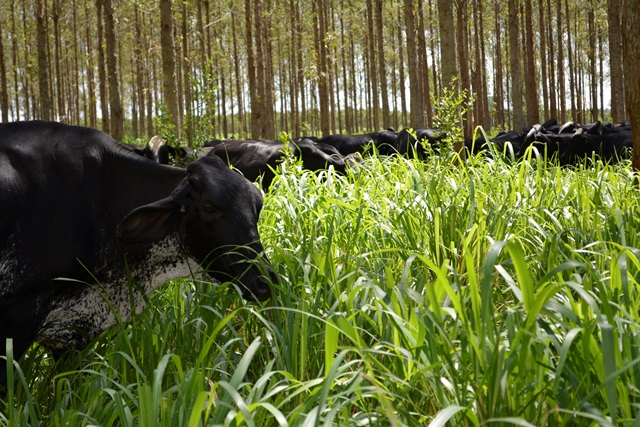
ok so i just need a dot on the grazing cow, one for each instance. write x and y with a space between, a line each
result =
260 157
508 143
75 203
415 146
349 144
611 146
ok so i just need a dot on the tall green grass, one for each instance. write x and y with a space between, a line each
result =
411 293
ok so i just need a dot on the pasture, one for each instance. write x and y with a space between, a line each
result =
412 293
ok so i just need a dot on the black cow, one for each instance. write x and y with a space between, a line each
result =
349 144
414 143
75 202
611 145
260 157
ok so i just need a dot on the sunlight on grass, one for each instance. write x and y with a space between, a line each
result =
411 293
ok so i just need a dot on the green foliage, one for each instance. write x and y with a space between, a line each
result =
202 117
411 293
450 107
166 129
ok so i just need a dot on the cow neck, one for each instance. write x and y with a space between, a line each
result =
117 297
143 181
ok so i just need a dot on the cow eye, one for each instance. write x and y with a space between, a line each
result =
209 209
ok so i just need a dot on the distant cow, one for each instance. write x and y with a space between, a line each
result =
260 157
74 203
413 143
349 144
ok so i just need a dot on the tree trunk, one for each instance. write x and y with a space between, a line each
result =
553 105
591 54
293 81
415 91
543 60
382 70
238 80
499 81
514 61
117 117
561 81
45 111
348 117
59 74
186 64
447 42
571 69
14 57
4 91
601 73
531 85
614 9
319 32
424 67
169 85
373 69
76 68
102 74
462 44
402 77
265 70
631 58
434 53
485 116
251 71
139 75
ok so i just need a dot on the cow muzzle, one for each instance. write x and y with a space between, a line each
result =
258 287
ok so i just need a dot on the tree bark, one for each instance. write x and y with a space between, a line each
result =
251 71
186 73
59 74
45 111
14 57
415 91
462 44
102 74
531 85
424 67
514 61
553 104
264 70
373 69
631 59
238 79
571 69
169 85
117 116
543 60
382 66
561 80
402 77
614 10
499 81
446 27
4 91
591 54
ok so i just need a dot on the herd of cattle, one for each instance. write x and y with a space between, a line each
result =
89 227
569 144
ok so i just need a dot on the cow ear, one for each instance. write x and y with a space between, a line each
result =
150 223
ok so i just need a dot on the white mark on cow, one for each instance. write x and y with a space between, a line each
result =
154 145
76 319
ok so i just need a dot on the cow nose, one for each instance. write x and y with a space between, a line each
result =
260 289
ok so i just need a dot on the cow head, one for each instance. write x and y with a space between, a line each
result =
216 211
